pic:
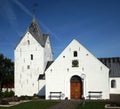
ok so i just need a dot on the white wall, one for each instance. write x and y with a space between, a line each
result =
26 80
115 90
47 52
41 87
47 57
96 76
9 89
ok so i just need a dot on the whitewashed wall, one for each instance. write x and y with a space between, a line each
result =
115 90
47 57
93 72
9 89
47 52
41 87
26 80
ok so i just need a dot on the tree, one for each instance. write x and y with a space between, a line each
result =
6 71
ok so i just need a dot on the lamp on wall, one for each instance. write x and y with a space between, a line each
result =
83 76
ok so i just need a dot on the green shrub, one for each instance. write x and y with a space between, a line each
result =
25 97
5 94
11 93
8 93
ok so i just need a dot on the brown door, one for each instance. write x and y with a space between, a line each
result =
75 90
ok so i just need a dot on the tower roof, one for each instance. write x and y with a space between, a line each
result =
34 29
36 32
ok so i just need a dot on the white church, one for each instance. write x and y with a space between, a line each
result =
76 73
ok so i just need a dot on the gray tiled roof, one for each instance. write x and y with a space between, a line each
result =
37 34
113 64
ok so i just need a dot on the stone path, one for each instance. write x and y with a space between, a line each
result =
14 103
66 104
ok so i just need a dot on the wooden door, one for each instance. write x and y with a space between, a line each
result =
75 88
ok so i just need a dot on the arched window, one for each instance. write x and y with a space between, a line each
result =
28 42
113 83
75 54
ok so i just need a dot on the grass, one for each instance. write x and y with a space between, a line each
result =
46 104
94 105
33 105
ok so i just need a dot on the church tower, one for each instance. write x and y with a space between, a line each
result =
31 55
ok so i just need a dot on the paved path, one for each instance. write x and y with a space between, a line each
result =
66 104
15 103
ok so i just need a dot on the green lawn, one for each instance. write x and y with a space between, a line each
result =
46 104
94 104
33 105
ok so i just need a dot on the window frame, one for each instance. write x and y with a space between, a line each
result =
75 53
31 56
113 83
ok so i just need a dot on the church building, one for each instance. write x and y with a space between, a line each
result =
31 54
75 74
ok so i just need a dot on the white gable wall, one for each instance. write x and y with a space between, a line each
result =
94 74
26 79
41 87
47 57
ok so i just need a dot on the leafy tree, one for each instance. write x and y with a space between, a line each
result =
6 71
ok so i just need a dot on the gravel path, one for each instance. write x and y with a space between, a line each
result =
66 104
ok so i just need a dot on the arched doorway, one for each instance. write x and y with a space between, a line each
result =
75 87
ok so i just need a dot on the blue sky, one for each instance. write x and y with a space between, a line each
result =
94 23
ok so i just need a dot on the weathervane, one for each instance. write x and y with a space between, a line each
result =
34 6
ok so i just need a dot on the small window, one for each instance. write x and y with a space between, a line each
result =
75 63
28 42
75 53
28 67
63 56
113 83
31 56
